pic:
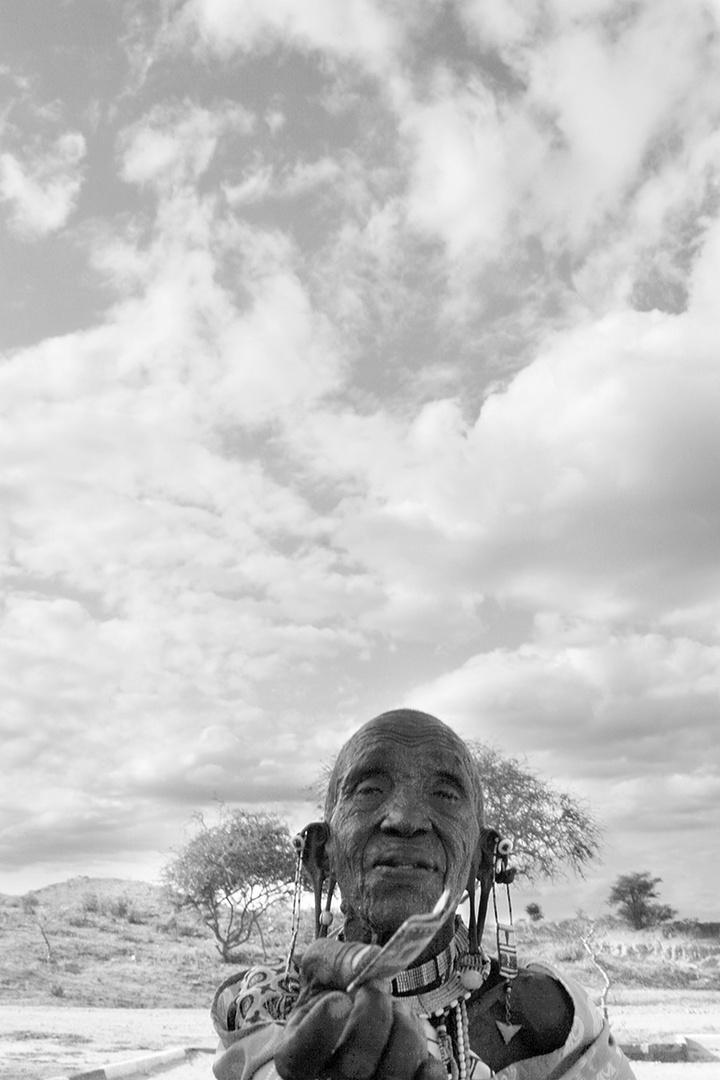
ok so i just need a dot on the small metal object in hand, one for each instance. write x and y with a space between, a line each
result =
406 944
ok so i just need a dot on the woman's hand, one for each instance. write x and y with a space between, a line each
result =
364 1036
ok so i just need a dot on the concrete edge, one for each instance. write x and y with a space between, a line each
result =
136 1066
685 1047
671 1048
700 1049
675 1048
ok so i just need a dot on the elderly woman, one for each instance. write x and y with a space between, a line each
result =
404 823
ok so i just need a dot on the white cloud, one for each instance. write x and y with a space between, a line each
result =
161 579
588 486
255 186
173 145
278 359
614 101
500 23
262 182
591 703
461 186
355 29
41 185
592 147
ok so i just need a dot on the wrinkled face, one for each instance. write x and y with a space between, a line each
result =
404 811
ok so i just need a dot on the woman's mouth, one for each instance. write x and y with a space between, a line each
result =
404 862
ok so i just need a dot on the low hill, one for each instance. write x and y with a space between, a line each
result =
102 941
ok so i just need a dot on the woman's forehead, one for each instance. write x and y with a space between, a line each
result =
394 743
422 741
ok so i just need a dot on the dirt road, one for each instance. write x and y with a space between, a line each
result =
640 1015
37 1043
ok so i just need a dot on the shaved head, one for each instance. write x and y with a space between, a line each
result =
404 726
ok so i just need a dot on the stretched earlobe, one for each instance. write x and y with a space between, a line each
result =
311 845
482 870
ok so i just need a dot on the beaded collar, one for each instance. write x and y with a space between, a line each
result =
437 992
442 981
427 976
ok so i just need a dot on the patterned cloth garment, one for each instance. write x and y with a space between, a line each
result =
250 1009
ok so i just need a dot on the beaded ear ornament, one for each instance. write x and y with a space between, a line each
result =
505 931
493 870
309 846
504 875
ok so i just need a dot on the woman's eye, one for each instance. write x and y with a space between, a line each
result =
368 788
448 794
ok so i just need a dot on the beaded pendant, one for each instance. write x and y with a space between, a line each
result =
507 950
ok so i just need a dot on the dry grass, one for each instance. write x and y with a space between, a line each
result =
670 957
120 944
103 942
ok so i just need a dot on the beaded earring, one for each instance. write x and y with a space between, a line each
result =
326 916
473 967
506 945
503 875
299 845
309 846
494 851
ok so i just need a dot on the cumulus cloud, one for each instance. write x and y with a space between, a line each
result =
261 182
145 535
578 155
173 145
460 187
570 691
40 186
405 392
588 485
357 29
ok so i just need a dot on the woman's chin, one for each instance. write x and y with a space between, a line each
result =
397 896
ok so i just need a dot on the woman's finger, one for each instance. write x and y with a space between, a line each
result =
311 1037
366 1034
431 1069
406 1049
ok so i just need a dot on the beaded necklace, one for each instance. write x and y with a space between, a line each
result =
437 992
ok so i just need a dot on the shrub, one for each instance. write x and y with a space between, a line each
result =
30 903
188 929
119 907
570 953
57 990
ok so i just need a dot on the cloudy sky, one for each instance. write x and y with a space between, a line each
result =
357 354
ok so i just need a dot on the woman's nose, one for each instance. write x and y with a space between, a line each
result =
406 813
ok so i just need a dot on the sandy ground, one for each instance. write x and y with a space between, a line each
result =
643 1015
38 1043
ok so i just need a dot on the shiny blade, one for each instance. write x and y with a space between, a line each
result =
406 944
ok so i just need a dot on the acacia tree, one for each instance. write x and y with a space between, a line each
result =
231 873
633 894
551 829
